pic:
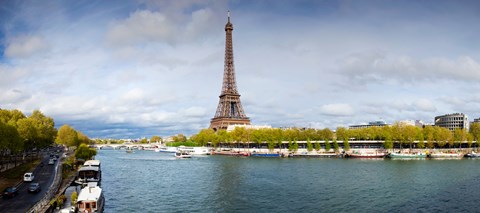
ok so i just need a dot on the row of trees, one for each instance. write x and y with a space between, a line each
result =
70 137
19 133
403 135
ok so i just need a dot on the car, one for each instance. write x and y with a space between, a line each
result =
28 177
51 161
34 187
10 192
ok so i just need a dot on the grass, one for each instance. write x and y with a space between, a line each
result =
14 175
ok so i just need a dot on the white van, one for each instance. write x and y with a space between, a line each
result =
28 177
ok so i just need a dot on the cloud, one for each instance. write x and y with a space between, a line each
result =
25 46
378 66
337 109
142 26
425 105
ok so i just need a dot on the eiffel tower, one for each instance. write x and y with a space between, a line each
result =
229 109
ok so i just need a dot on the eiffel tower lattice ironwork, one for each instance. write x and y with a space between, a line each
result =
229 109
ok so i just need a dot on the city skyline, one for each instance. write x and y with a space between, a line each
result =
142 68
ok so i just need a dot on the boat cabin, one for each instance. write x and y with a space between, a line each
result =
90 199
88 174
95 163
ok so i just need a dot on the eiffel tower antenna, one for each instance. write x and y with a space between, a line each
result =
229 109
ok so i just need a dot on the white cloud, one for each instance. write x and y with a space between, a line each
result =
25 46
337 109
425 105
378 66
142 26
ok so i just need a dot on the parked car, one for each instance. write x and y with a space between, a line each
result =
34 187
10 192
28 177
51 161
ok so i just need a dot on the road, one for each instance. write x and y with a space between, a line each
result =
24 200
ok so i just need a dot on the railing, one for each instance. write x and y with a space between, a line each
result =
43 204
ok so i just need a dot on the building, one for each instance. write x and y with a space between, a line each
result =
452 121
370 124
229 109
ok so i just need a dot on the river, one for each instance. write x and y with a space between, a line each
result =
146 181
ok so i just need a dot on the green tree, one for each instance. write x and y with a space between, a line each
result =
85 152
335 145
295 146
346 144
317 146
290 146
157 139
309 145
475 131
67 136
327 145
388 143
421 144
342 133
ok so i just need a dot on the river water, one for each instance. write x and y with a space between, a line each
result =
146 181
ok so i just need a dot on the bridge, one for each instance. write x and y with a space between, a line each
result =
127 146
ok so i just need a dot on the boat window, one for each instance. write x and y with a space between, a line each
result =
87 205
94 205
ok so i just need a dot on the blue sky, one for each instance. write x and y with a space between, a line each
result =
129 69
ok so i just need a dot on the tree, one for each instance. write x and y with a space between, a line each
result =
317 146
27 131
180 138
85 152
421 144
157 139
346 144
295 146
388 143
327 145
475 131
342 133
335 145
309 145
67 136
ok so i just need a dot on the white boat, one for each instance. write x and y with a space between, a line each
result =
182 154
195 150
89 174
168 149
446 155
90 199
407 155
95 163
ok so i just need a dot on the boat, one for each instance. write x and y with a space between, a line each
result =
472 155
446 155
315 155
95 163
129 151
182 154
87 174
231 153
195 150
366 155
265 155
167 149
407 155
90 199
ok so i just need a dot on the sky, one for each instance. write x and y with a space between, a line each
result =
138 68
